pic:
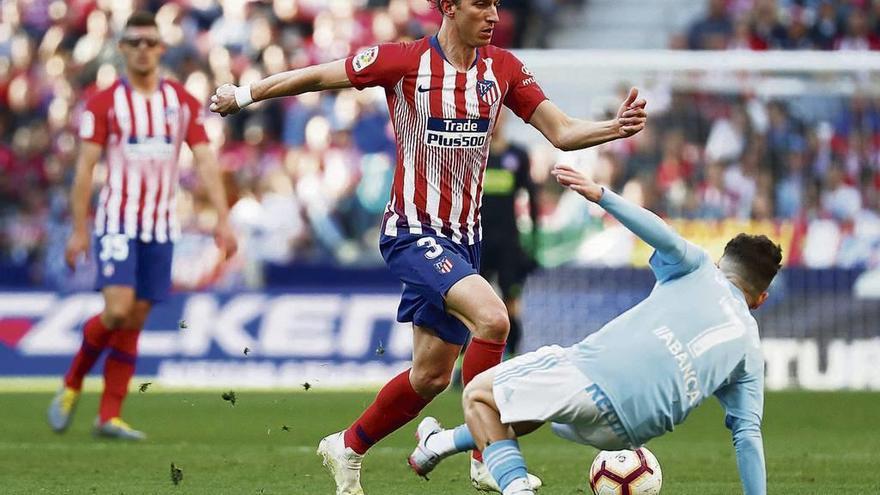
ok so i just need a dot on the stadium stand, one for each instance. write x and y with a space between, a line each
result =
308 176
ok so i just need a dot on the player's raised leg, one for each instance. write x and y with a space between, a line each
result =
429 266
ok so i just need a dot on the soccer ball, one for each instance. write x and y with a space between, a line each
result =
626 472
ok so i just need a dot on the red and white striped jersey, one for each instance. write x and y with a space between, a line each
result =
443 119
141 135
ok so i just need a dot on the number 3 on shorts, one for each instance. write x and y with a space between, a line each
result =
114 247
434 249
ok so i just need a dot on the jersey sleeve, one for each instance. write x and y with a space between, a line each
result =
673 256
195 131
523 94
381 65
666 267
93 121
743 402
742 397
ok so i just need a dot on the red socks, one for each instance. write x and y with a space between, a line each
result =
398 403
118 370
395 405
95 337
480 355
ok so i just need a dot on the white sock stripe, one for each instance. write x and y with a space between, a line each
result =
503 457
498 450
500 446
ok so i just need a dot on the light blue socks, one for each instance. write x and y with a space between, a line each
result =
505 462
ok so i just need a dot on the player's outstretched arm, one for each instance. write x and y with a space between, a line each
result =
646 225
229 99
749 445
80 195
568 133
743 403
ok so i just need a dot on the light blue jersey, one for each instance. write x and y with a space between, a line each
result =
691 338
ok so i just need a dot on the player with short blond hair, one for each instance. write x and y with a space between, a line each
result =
444 94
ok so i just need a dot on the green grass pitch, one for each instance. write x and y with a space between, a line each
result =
816 443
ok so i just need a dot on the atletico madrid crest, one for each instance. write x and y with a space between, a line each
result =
488 91
444 265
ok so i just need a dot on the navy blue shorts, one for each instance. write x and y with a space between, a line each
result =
429 266
146 266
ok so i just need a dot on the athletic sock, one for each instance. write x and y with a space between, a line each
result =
395 405
480 355
118 370
95 337
506 464
448 442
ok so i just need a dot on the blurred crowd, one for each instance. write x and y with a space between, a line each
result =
807 166
784 25
714 157
308 177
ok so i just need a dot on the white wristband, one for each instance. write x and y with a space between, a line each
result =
243 96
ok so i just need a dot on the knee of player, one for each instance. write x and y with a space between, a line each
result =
137 317
467 396
475 392
430 382
118 309
115 316
493 323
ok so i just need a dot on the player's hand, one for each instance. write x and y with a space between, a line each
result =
225 239
631 116
577 182
223 100
77 247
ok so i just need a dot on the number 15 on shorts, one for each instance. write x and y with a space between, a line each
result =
114 247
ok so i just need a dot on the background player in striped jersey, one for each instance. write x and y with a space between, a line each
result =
444 94
139 124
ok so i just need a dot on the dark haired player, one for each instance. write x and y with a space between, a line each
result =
444 94
139 124
643 372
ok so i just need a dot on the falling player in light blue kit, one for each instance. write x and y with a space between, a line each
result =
643 372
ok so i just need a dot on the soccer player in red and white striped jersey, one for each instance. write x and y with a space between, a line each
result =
139 124
444 94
